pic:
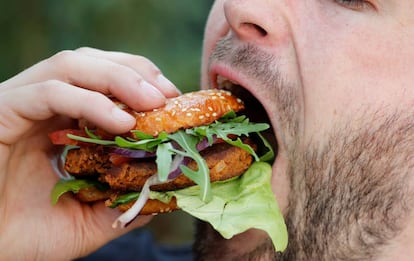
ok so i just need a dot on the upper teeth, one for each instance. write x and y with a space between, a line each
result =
223 82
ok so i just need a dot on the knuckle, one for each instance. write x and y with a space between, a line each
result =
125 73
62 57
84 49
48 89
49 86
62 63
143 61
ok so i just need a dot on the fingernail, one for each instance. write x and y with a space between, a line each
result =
151 91
167 86
121 115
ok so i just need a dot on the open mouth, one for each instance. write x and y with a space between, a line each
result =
254 109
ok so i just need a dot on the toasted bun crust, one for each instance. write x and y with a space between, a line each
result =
188 110
153 207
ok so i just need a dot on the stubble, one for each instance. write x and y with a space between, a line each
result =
350 192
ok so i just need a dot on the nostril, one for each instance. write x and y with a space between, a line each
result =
253 29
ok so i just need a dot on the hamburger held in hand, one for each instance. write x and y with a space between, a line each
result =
196 153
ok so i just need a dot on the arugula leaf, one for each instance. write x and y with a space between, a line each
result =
163 160
148 144
231 126
125 198
239 143
201 176
91 140
141 135
91 134
270 154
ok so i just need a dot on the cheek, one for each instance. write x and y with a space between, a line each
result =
349 69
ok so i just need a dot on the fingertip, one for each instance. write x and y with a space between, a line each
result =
122 116
124 120
153 97
167 87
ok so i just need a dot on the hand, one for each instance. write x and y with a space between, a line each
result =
46 97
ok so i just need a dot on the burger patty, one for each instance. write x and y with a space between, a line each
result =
223 160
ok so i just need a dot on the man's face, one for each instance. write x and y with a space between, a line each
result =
335 79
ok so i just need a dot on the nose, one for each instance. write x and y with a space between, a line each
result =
259 21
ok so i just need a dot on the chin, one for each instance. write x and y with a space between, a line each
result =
250 245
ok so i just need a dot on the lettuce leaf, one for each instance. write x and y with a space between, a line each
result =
237 205
73 185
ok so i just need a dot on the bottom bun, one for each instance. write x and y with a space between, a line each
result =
152 207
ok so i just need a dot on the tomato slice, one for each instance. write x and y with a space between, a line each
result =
118 160
60 137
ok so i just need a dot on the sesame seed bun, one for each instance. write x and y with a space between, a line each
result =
186 111
189 110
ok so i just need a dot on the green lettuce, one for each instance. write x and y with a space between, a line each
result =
73 185
237 205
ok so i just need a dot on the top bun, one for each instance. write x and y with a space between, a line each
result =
189 110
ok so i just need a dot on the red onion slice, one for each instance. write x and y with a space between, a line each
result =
131 153
204 144
176 171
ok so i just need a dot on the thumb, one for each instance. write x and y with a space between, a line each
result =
99 230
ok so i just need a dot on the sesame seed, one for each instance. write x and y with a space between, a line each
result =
210 108
121 106
189 114
214 114
158 119
201 117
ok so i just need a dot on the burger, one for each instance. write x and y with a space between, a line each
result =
197 153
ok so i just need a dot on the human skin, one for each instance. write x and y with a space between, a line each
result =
335 79
50 96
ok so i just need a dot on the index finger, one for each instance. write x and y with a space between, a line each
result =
95 74
38 102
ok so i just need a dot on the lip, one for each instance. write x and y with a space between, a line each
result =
237 78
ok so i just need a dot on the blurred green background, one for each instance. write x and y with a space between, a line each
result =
167 32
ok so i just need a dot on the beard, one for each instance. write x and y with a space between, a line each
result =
350 192
352 195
